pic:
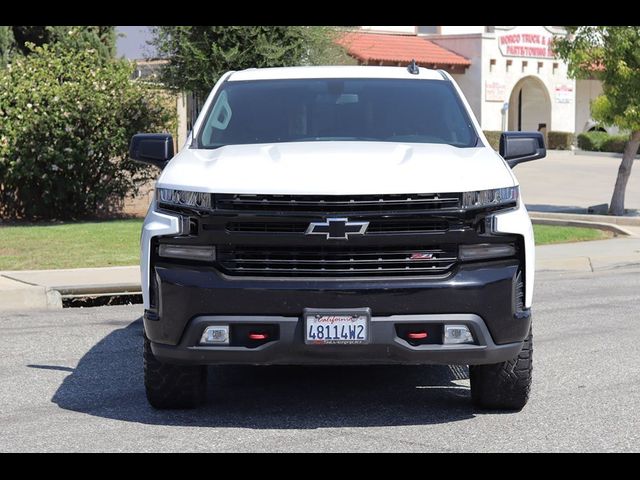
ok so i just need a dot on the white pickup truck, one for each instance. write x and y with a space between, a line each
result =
337 215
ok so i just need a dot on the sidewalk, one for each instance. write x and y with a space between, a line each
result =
45 289
589 256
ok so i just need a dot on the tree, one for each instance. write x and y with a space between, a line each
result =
612 55
199 55
66 119
16 39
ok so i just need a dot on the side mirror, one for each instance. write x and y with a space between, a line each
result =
152 148
518 147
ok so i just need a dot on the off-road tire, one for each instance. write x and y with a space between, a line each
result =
506 385
172 386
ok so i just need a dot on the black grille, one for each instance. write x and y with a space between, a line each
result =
407 226
375 226
338 203
337 261
267 227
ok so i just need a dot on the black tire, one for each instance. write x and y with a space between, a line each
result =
172 386
506 385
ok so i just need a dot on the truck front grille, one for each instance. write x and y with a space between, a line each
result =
337 261
375 226
329 204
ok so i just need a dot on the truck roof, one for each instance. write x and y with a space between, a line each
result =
337 71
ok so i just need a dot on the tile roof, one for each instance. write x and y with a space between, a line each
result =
378 47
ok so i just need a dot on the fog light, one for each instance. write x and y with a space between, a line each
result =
418 335
188 252
457 334
258 336
480 251
215 335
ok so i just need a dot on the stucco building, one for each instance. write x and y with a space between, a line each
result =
508 74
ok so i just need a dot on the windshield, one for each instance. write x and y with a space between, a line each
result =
387 110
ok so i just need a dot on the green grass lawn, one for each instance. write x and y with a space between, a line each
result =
116 242
546 234
72 245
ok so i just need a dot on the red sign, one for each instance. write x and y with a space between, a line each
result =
525 45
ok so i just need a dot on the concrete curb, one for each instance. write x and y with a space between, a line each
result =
87 290
50 289
610 227
15 295
583 217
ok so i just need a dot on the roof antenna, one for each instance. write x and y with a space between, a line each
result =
413 68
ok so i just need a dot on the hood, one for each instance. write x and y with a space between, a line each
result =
337 168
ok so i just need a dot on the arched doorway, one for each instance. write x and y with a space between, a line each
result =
530 106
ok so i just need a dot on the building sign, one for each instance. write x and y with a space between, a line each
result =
563 93
525 44
494 91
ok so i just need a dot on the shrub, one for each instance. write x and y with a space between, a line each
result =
592 141
66 119
602 142
615 143
559 140
493 137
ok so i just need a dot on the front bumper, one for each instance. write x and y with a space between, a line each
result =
385 347
480 295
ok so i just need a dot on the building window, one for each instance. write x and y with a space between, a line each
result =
540 64
489 29
525 64
492 64
509 63
555 67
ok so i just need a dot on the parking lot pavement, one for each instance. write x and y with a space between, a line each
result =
564 181
71 380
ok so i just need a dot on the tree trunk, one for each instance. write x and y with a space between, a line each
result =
624 172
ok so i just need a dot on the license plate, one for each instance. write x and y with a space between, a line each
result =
336 327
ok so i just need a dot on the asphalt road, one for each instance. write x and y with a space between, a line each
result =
71 380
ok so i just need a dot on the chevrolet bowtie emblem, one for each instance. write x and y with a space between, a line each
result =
337 228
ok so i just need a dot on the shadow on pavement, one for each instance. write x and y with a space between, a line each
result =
108 383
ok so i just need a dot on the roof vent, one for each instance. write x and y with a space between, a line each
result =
412 68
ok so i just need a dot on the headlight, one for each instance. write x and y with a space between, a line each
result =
184 198
490 198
